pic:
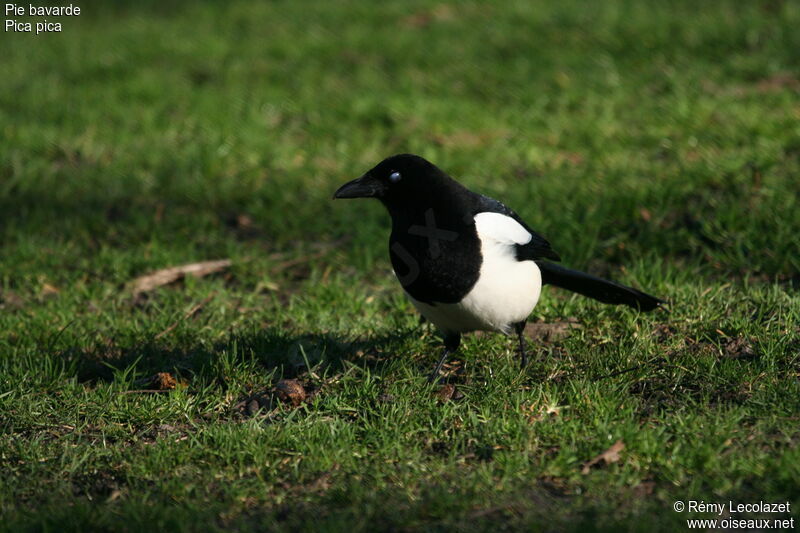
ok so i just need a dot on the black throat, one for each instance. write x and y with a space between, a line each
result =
434 246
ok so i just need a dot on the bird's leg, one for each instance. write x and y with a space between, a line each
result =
435 374
519 327
451 343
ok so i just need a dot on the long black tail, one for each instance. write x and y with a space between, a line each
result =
600 289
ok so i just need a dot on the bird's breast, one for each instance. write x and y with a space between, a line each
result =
436 261
505 293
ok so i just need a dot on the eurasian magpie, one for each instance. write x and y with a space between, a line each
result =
466 261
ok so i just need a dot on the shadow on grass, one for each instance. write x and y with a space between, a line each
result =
271 351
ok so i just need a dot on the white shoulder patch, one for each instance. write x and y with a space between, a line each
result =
501 228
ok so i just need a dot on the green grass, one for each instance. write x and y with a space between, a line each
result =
656 144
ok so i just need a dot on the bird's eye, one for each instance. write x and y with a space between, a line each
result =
394 177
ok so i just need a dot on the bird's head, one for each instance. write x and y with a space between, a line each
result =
397 180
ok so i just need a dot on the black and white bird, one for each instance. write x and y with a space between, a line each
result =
466 261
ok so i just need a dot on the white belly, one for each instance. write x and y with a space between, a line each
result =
506 292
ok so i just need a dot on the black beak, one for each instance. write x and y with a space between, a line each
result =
364 187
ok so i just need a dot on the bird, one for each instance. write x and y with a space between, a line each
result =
466 261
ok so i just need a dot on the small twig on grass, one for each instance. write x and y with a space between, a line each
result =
145 391
190 313
166 276
285 265
324 249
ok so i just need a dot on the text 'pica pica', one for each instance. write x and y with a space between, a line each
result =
468 262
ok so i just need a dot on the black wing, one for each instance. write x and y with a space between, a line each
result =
537 248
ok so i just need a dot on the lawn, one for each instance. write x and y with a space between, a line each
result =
655 143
